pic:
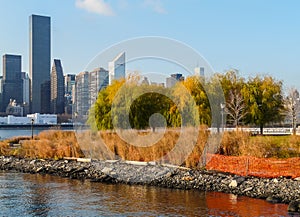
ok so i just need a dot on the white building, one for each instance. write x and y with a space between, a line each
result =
18 120
3 120
37 119
43 118
116 68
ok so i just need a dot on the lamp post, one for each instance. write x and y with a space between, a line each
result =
222 105
294 113
32 121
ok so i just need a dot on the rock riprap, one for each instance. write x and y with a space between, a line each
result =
275 190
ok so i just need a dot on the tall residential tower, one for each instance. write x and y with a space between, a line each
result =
39 62
12 81
57 88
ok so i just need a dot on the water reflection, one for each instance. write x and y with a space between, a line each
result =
44 195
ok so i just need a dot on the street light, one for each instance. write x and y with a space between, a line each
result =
32 121
222 115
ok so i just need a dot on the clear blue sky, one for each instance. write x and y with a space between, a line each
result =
253 36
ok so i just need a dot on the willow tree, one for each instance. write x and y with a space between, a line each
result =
195 86
264 101
129 104
100 113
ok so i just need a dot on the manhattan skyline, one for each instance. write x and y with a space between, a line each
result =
252 36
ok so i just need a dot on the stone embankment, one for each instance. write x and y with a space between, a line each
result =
274 190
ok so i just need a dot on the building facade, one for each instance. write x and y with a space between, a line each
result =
69 86
173 79
87 87
199 71
82 94
57 88
26 90
12 81
117 68
98 79
45 97
39 61
14 109
1 90
69 83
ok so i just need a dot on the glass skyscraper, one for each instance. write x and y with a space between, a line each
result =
117 68
57 88
12 81
39 62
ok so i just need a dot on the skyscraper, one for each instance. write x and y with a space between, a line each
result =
87 87
82 93
69 85
1 91
199 71
98 79
57 88
12 82
117 68
26 90
39 61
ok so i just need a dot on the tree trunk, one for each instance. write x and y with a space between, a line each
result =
261 127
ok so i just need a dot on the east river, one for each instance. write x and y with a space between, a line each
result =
8 133
45 195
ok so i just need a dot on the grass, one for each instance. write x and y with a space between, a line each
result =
243 144
48 144
186 146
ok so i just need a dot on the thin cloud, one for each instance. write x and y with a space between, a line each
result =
155 5
95 6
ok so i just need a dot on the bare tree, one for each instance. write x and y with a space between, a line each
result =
235 107
292 107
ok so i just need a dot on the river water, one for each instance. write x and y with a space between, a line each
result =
45 195
8 133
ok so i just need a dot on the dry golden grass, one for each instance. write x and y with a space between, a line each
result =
171 148
48 144
240 143
181 147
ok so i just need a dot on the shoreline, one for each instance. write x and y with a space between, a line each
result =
274 190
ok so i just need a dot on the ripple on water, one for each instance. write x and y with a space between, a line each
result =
42 195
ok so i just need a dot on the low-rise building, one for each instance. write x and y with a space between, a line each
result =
43 118
37 119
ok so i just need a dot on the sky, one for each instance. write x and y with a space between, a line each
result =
253 36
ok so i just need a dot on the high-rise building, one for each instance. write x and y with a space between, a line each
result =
12 82
82 93
173 79
98 79
45 97
117 68
1 90
39 61
69 83
87 87
69 86
199 71
26 90
57 88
